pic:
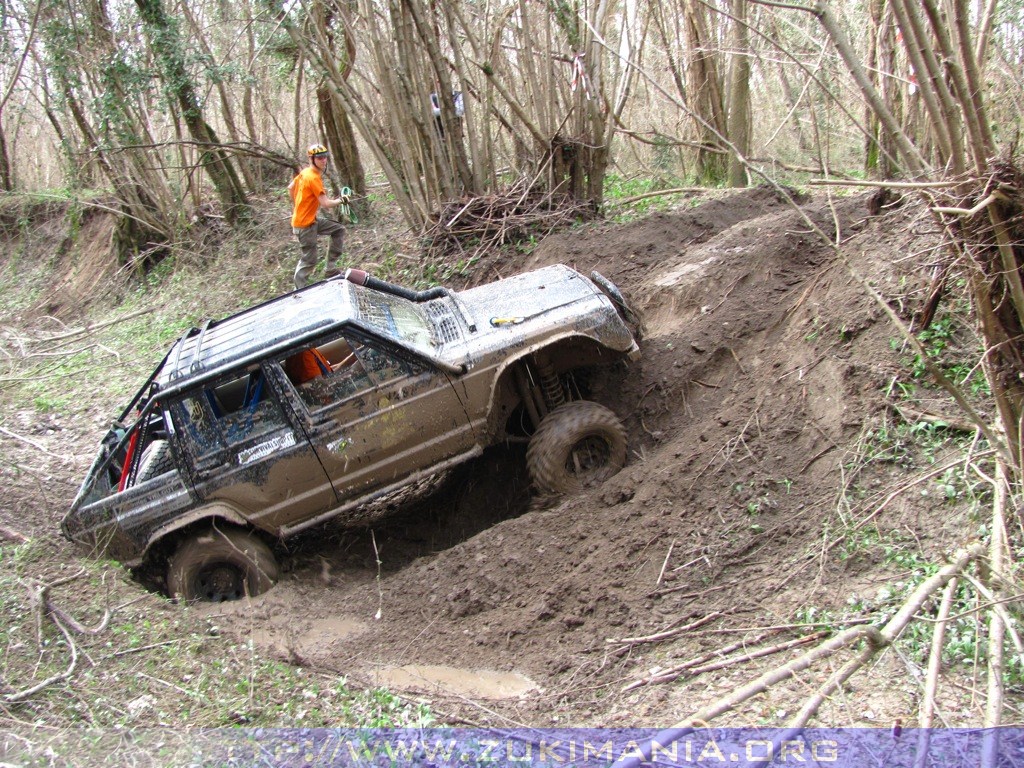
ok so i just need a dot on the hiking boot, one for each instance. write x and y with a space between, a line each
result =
331 273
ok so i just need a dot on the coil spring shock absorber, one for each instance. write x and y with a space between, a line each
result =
554 395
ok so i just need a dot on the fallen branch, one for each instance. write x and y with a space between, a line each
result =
691 668
489 221
30 441
911 416
43 607
780 627
996 604
666 634
814 703
656 193
759 653
664 565
11 535
932 678
884 184
996 625
967 212
876 639
717 653
13 698
97 326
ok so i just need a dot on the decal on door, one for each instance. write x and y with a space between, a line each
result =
264 449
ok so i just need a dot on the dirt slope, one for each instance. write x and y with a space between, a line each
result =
764 365
763 362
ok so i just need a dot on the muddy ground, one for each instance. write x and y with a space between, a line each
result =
765 363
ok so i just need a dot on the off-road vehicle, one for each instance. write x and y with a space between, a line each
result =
314 404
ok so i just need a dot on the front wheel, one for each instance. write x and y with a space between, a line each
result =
221 565
578 445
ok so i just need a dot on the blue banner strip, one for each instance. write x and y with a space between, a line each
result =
554 748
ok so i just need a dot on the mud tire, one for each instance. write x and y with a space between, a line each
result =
578 445
221 565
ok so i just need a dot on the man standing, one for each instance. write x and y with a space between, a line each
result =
308 196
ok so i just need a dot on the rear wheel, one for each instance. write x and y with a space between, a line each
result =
221 565
578 445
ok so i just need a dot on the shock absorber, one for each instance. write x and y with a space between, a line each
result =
554 395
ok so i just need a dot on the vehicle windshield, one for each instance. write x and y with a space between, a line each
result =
396 317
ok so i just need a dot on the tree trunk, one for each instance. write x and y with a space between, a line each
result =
342 141
451 128
740 126
333 118
880 150
704 87
6 175
168 51
226 110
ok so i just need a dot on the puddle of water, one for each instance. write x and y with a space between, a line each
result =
478 683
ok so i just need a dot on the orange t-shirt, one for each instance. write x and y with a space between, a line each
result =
306 365
306 190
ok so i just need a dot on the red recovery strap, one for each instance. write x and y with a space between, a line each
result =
126 469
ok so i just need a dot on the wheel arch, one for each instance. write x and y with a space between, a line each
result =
569 352
163 540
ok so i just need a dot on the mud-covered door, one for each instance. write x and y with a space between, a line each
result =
243 449
377 415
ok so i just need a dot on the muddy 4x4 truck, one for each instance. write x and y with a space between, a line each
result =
314 404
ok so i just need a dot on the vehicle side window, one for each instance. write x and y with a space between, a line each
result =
230 411
339 369
384 366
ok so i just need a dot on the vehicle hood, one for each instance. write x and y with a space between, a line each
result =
525 309
524 297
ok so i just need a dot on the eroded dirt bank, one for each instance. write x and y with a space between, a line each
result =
764 362
764 367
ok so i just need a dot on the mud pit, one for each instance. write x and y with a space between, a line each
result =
763 362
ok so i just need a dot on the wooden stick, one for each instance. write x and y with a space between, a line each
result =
30 441
664 565
98 326
11 535
931 684
996 626
657 677
876 639
996 604
968 212
140 649
666 634
13 698
658 193
759 653
884 184
780 627
813 704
